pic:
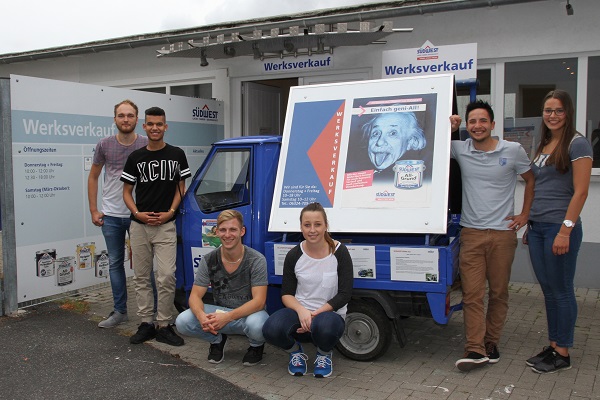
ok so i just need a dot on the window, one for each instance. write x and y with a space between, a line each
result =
202 91
526 85
162 90
593 107
225 183
463 97
484 85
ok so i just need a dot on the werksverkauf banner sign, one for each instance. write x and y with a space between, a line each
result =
458 59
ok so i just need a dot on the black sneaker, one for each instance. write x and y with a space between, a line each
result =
553 362
471 360
167 335
146 331
217 351
539 356
253 356
492 352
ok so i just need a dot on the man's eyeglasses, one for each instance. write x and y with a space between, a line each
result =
559 112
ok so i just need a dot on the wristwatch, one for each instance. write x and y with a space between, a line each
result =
568 223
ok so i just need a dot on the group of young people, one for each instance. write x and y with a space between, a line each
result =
318 274
316 288
142 187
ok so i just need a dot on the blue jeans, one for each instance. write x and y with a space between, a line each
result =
325 331
250 326
114 230
555 275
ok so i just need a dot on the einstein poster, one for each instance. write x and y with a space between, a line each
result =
375 154
389 161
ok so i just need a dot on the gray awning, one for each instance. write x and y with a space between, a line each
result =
292 41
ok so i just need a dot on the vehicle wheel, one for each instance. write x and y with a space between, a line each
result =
368 332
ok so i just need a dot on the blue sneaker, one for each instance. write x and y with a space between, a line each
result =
297 365
323 365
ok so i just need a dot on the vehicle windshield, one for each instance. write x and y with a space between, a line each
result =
225 184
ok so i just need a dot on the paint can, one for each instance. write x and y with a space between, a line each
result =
44 262
409 174
65 270
85 255
102 264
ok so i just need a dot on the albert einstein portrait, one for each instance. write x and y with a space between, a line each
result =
403 130
391 135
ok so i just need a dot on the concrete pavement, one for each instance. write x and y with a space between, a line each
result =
424 369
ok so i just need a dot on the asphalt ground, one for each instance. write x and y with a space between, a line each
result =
50 353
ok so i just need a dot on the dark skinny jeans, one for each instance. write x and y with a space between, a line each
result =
326 330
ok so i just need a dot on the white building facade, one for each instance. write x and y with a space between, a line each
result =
524 49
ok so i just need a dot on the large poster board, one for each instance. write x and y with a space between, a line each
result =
375 154
55 128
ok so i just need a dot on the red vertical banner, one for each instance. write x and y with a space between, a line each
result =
324 154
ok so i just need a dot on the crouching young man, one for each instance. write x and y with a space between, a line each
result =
238 276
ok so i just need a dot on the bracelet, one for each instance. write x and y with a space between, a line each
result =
136 213
567 236
173 211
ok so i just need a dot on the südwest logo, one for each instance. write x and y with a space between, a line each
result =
427 53
204 114
385 196
412 168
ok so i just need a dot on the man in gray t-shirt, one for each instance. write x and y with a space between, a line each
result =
238 277
489 169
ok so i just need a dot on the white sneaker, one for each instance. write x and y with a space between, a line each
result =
114 318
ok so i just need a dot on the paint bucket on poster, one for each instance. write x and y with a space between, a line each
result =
85 255
65 270
44 262
102 264
409 174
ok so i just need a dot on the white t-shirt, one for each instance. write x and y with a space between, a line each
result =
317 281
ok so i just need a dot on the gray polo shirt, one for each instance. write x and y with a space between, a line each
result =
488 181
